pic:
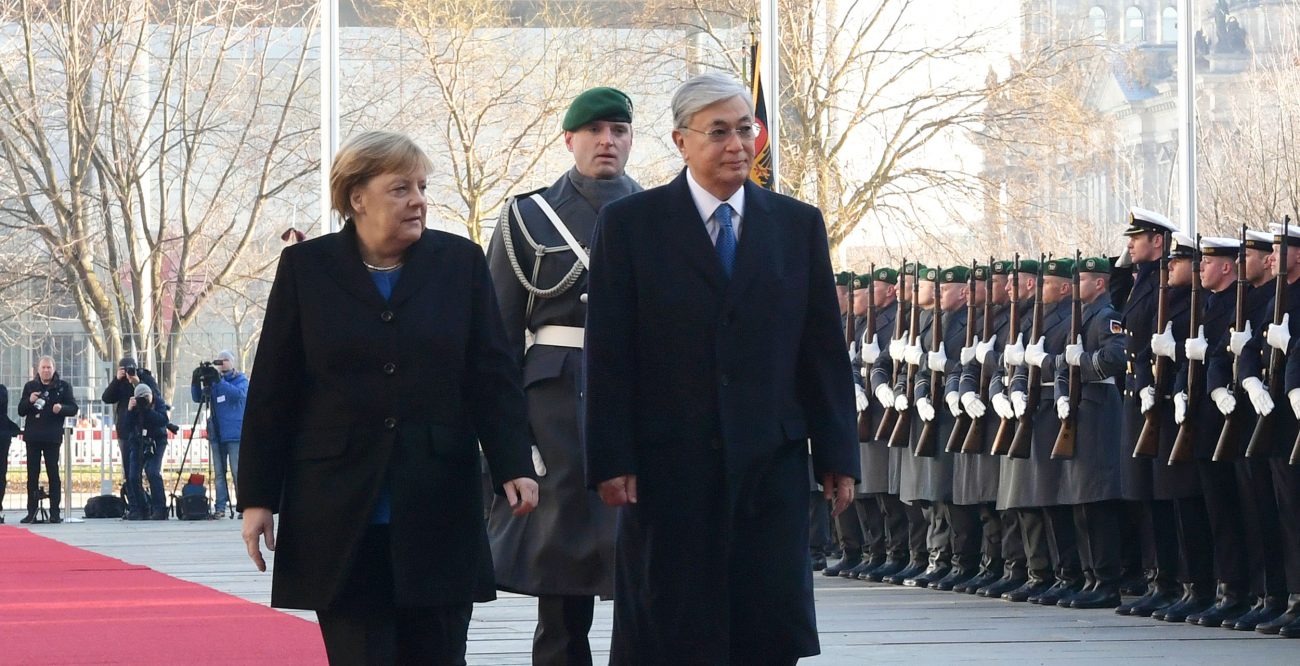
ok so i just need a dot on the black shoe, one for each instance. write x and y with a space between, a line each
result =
930 576
1103 596
1031 588
28 519
958 576
1158 596
1266 610
1231 604
842 566
818 561
1178 612
986 576
1134 585
908 572
1001 586
158 514
1289 616
134 515
55 517
864 567
1291 630
1059 590
889 568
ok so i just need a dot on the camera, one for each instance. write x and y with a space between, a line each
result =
144 402
130 372
205 374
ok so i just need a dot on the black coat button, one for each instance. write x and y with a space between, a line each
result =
390 423
390 368
726 380
386 315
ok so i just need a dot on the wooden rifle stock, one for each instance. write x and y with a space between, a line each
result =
1022 443
1234 424
928 443
1261 441
974 442
886 426
963 425
903 425
1185 441
1067 436
1007 427
864 417
1148 441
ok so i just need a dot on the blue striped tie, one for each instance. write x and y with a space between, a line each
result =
726 243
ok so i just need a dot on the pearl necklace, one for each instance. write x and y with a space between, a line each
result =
381 269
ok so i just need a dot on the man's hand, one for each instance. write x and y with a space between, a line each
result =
1063 407
954 402
1224 400
58 407
924 409
1294 397
937 360
521 493
885 396
860 397
971 402
1197 346
258 523
1279 335
1146 399
1035 354
1180 407
839 488
870 351
1074 352
1163 343
1237 339
912 354
900 402
1014 353
618 491
967 354
130 404
34 397
1259 397
1019 402
983 348
896 348
1002 405
121 374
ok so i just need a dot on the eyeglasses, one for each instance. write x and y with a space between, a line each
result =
722 134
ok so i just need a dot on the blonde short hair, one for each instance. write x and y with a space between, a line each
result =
367 155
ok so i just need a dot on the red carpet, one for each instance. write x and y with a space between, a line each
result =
65 605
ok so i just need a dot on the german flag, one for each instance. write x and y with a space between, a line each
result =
761 172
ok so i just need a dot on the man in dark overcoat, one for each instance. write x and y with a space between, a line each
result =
702 410
563 552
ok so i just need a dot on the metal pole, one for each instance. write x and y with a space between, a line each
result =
1187 116
67 468
771 73
329 98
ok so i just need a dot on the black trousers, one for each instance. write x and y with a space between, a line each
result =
4 469
1227 524
938 534
563 623
871 524
819 524
1158 533
918 528
966 533
893 516
990 532
848 527
1033 530
1097 528
1195 542
365 626
1286 488
1260 525
1013 545
50 451
1062 543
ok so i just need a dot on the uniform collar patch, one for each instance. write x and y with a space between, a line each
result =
1116 327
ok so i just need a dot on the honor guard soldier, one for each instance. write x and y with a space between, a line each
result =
562 553
858 527
1091 484
881 513
1254 477
975 474
1179 484
822 540
1151 523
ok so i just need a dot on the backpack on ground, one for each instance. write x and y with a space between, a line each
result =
105 506
193 503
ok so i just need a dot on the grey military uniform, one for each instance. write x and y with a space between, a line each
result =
931 478
874 452
1046 475
975 476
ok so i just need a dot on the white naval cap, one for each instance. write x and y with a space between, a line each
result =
1183 246
1141 220
1219 246
1292 232
1259 240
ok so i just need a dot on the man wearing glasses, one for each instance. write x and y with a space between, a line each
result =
703 411
227 389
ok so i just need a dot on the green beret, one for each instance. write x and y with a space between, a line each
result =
930 275
1063 268
1003 267
598 104
1095 265
912 267
955 275
861 280
1028 266
887 275
981 273
843 278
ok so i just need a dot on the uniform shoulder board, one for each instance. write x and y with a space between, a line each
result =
1116 327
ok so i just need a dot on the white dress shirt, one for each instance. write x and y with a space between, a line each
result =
706 203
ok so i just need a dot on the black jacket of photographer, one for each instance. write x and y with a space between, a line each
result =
145 420
43 425
119 392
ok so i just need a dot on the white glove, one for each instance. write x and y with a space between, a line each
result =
860 395
1074 352
1294 396
912 354
968 353
983 347
924 409
1002 405
1147 398
1162 344
1014 354
937 360
853 351
1018 403
1259 397
1180 407
1035 354
1063 408
900 403
1237 340
885 396
896 346
870 351
953 402
1224 400
1279 335
970 401
1196 347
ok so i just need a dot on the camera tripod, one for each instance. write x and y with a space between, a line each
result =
205 401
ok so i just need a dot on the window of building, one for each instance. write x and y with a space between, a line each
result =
1134 26
1169 25
1097 22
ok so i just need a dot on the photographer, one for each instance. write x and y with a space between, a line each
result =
118 393
227 388
45 402
145 423
8 430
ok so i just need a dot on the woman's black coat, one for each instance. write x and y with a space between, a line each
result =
349 389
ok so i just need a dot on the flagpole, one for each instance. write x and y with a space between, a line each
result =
771 76
1187 115
329 98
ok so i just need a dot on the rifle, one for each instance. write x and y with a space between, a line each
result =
1007 427
864 416
929 439
887 419
963 425
903 425
1184 442
1261 441
1020 444
1066 438
1233 427
974 442
1148 441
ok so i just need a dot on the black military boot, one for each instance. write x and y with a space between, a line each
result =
1010 581
1037 583
55 516
1158 596
1102 595
913 569
1289 616
933 574
889 568
1196 598
849 561
864 567
1266 609
964 568
1137 583
1231 603
1089 583
1060 589
818 560
988 573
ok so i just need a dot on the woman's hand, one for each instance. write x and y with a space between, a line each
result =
260 522
521 493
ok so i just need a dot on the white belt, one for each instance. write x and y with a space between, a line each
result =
560 336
